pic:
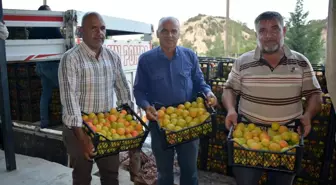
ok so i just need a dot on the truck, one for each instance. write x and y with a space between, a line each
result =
22 54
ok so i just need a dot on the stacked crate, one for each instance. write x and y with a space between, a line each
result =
209 67
332 168
225 65
25 92
216 158
316 147
55 107
320 75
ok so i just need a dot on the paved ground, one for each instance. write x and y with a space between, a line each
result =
36 171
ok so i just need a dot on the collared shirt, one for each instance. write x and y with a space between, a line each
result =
272 94
167 82
87 84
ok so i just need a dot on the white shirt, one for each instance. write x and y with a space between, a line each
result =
87 84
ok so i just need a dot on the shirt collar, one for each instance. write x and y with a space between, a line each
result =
88 50
257 53
161 53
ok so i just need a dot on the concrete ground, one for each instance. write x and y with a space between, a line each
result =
36 171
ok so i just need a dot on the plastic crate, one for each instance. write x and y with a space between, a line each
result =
33 83
225 66
13 94
332 167
311 169
316 142
304 181
11 71
202 154
12 83
219 138
220 121
217 85
218 152
55 107
15 113
30 111
313 150
209 68
25 94
173 138
32 94
217 166
26 70
106 147
288 161
56 116
263 179
56 96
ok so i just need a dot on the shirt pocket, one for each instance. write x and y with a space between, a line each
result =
185 78
158 82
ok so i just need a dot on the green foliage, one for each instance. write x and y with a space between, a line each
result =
196 18
304 37
216 48
237 42
188 44
155 44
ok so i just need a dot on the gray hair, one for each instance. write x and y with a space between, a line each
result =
88 14
165 19
268 15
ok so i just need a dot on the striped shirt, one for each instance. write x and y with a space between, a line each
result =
87 84
272 94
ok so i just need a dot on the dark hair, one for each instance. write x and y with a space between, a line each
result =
268 16
44 7
88 14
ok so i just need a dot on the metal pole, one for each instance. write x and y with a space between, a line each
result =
6 120
44 2
226 28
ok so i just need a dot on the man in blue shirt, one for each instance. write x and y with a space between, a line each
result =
168 75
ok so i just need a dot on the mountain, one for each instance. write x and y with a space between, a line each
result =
205 34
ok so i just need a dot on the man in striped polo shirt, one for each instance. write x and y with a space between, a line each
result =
271 80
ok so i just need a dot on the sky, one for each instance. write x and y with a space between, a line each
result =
150 11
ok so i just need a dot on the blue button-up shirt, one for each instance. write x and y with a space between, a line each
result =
167 82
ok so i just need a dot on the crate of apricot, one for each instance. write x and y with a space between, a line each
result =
185 122
272 147
112 132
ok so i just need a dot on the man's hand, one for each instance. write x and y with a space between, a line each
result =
231 118
85 143
212 99
306 123
151 113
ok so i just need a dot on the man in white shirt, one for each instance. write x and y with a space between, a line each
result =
89 75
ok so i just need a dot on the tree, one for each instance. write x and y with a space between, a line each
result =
155 44
303 38
216 48
188 44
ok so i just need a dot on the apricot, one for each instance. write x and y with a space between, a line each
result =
121 131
